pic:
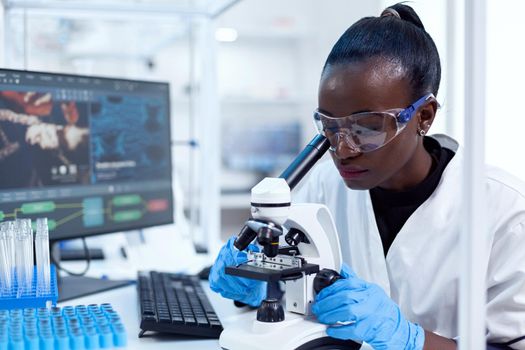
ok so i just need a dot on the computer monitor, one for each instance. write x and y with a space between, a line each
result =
91 154
262 148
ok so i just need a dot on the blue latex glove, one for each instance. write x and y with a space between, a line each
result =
248 291
362 311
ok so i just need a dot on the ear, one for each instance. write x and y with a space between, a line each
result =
426 115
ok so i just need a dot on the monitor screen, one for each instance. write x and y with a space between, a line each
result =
91 154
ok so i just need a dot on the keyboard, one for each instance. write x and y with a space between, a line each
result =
175 303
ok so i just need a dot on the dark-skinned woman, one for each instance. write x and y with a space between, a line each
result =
394 193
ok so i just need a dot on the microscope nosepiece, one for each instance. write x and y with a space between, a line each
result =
269 239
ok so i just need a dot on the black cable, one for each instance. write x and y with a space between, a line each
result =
71 273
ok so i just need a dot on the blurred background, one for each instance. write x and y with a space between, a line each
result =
244 77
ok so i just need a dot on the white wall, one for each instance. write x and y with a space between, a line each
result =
281 49
505 77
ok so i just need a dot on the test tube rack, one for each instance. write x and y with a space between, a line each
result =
9 301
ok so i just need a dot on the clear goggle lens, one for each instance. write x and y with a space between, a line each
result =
362 132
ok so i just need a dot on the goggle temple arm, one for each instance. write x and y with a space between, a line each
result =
407 114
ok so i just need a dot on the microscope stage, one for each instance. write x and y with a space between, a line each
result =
272 274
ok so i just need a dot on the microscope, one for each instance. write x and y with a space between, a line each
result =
300 247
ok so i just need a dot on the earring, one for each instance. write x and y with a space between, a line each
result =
422 132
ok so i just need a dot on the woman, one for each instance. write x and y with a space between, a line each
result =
400 231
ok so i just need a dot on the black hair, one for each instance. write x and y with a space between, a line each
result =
400 39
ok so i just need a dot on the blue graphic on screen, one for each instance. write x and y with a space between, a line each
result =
128 135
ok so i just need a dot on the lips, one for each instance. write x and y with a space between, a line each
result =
352 172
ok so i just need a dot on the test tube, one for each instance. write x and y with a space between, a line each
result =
19 258
24 256
6 267
42 257
30 257
11 229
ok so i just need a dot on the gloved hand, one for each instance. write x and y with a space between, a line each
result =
362 311
248 291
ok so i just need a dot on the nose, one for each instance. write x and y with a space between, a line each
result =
345 148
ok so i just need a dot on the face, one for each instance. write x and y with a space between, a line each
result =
376 85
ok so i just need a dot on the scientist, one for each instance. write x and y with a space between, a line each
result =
395 196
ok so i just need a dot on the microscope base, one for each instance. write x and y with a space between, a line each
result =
296 332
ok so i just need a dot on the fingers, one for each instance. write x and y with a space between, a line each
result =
254 248
343 332
342 298
248 291
343 307
332 317
346 271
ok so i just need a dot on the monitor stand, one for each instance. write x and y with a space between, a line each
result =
72 287
70 254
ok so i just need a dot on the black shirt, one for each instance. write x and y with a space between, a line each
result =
392 208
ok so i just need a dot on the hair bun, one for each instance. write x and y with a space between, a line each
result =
405 13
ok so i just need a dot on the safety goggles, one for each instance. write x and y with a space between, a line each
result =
367 131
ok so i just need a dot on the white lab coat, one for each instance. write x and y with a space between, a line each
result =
421 270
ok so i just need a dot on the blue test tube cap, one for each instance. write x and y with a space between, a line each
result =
32 342
29 311
106 340
58 321
62 341
101 320
77 339
16 344
47 342
83 312
88 321
92 307
73 321
92 338
120 340
106 306
15 312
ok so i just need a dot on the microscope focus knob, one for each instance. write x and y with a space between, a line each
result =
293 237
324 278
270 310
